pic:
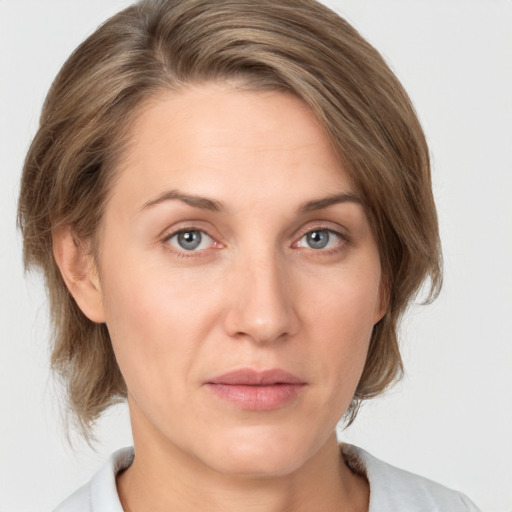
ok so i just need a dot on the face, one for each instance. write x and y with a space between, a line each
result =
239 278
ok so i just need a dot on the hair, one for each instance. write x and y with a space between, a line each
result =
297 46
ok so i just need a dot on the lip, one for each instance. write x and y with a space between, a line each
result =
255 390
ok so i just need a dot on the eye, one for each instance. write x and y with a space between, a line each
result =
320 239
191 240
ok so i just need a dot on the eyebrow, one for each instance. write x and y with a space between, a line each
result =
325 202
192 200
215 206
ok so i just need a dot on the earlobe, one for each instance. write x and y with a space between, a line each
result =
79 273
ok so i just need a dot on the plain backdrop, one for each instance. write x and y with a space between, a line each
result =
450 419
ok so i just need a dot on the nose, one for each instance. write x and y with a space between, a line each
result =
261 303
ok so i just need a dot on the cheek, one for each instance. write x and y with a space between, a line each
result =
156 321
340 318
347 302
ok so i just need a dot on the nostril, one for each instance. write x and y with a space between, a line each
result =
262 307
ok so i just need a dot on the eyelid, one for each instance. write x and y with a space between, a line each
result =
321 225
188 224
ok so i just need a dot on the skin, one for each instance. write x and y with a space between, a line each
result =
255 294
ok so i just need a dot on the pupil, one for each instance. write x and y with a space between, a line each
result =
189 239
318 239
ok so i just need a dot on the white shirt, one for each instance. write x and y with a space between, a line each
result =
391 489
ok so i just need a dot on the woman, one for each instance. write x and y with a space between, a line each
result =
231 203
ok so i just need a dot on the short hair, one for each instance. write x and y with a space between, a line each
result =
297 46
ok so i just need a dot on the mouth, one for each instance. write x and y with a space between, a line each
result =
254 390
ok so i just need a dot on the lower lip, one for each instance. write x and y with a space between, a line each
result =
257 398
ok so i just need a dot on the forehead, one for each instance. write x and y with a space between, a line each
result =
205 135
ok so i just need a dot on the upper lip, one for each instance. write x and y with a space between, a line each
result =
251 377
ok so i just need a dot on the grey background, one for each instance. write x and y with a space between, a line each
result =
450 419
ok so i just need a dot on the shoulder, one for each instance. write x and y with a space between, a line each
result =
395 490
100 493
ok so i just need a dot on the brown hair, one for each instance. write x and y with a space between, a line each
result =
298 46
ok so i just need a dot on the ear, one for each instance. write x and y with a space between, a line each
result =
79 272
384 296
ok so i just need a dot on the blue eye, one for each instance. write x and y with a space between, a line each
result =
191 240
320 239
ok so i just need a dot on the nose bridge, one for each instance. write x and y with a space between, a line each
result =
262 305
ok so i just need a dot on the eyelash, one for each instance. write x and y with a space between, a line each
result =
183 253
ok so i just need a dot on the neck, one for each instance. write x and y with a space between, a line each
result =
170 479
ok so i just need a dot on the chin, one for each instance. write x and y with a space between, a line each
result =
260 454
